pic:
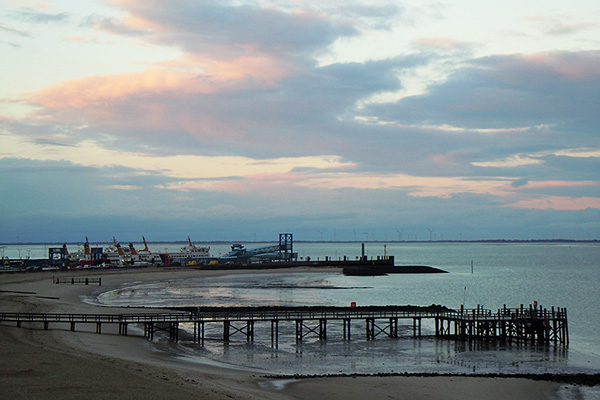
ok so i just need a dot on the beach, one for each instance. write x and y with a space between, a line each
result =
59 363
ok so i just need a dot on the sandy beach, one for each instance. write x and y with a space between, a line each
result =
58 363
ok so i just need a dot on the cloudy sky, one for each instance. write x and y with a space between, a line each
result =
333 120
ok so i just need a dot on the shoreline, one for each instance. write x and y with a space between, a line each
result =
574 379
43 363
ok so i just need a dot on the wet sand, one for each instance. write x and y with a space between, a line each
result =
71 365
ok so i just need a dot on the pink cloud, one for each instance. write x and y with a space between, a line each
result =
187 76
570 66
97 89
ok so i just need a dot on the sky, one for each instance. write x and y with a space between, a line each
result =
338 120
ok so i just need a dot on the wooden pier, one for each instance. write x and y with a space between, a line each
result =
521 325
507 325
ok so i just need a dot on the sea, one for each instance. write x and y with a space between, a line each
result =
487 274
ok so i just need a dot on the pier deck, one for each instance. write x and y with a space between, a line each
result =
507 325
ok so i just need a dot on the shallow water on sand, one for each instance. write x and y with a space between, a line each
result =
561 275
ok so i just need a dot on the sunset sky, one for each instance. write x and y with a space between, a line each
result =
333 120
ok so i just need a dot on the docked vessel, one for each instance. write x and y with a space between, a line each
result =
86 257
144 256
188 255
119 256
116 255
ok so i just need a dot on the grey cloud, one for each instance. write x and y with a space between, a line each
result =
562 29
546 102
112 25
13 31
313 113
564 168
520 182
39 17
201 26
300 116
11 44
35 209
47 142
508 92
62 134
560 25
47 188
377 16
32 167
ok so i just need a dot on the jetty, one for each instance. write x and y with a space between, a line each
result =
523 325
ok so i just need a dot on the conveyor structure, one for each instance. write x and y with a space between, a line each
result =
281 252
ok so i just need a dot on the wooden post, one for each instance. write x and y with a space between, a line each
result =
226 331
471 327
275 333
176 331
298 330
250 331
346 322
566 335
370 325
322 329
393 328
554 327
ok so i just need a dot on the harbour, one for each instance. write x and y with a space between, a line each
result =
271 256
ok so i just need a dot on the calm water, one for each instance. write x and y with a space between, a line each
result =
561 275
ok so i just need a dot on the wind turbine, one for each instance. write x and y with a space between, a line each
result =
430 232
399 236
321 232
